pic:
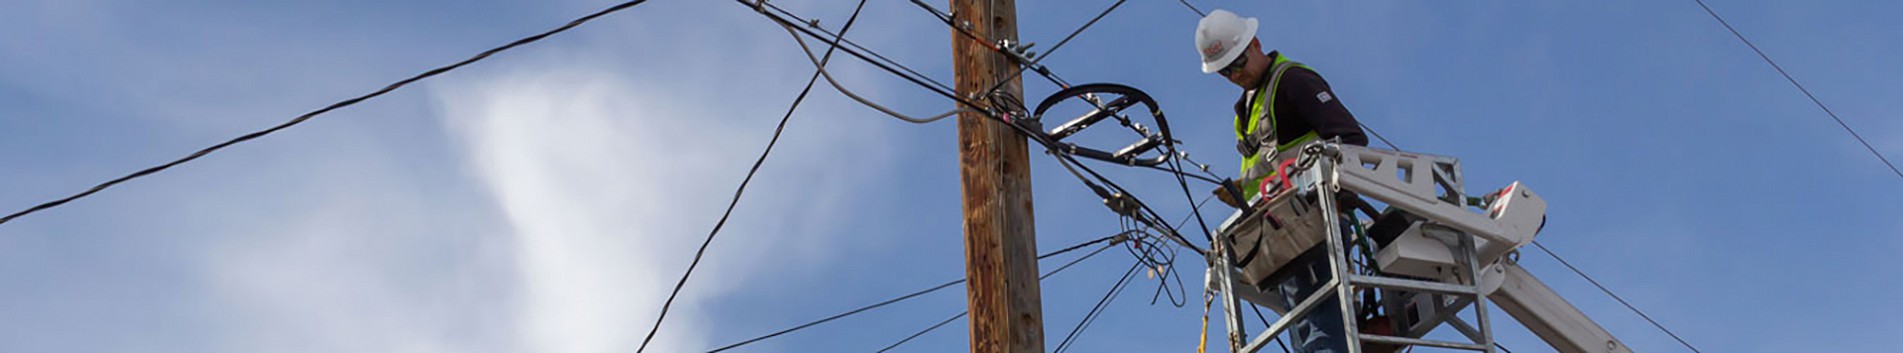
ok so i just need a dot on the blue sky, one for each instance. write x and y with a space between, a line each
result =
545 200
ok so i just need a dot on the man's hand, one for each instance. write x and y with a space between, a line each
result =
1227 193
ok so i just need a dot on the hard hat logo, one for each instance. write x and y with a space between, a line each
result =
1213 50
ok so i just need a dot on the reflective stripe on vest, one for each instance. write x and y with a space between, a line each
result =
1253 134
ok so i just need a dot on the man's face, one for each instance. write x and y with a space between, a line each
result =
1251 63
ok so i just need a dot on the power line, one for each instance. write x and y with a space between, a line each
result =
1192 8
787 18
1377 135
1800 88
777 131
855 96
1265 323
854 45
1096 311
782 18
1615 296
961 314
1575 270
965 30
334 106
1047 53
1582 274
1112 238
1073 33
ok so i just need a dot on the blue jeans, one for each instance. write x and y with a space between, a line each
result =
1320 331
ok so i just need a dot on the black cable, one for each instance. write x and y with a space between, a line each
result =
961 314
941 15
1800 88
1033 135
993 45
777 131
1084 244
1172 265
1047 53
1073 33
794 21
334 106
1188 196
1210 180
924 292
848 43
1203 167
1502 347
1192 8
1265 323
840 315
1098 309
1377 135
1615 296
788 18
1110 187
1150 217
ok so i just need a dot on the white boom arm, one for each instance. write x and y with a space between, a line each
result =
1546 314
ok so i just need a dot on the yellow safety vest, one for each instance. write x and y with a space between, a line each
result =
1257 165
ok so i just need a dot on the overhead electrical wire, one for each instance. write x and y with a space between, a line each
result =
907 73
1377 136
1265 323
1595 282
1097 311
1615 296
741 190
333 106
854 96
784 17
1192 8
1067 265
1174 157
1047 52
1113 239
949 20
1800 88
927 329
930 83
965 30
1069 161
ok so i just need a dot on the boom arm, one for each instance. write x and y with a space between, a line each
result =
1550 317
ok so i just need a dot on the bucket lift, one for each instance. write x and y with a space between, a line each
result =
1435 253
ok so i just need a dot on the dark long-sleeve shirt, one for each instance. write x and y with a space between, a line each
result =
1303 103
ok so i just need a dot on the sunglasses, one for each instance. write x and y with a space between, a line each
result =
1241 60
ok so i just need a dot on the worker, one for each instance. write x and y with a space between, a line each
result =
1284 104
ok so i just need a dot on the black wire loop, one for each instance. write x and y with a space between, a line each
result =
1111 100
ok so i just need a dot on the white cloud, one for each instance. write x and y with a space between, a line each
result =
357 259
334 238
609 184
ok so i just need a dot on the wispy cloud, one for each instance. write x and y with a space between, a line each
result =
608 184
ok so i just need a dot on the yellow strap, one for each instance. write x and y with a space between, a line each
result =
1203 343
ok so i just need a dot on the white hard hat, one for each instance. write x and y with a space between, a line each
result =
1221 36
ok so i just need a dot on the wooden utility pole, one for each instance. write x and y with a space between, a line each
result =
995 170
